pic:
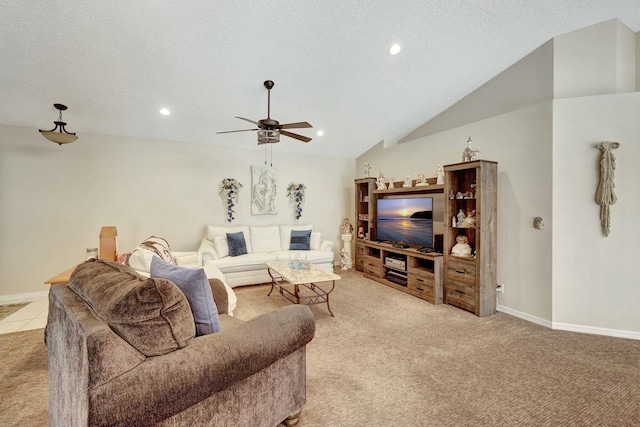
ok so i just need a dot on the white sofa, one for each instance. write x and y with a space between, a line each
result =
264 243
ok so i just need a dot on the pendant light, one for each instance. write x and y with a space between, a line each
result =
62 136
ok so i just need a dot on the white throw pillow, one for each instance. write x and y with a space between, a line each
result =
314 245
285 234
222 246
265 239
191 260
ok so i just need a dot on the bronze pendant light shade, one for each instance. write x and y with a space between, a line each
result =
61 136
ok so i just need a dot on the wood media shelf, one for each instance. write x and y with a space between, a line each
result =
406 269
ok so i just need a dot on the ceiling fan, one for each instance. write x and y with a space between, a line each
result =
269 130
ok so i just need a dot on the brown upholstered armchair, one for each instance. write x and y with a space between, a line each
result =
123 352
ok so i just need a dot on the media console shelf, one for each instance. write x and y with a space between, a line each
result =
405 269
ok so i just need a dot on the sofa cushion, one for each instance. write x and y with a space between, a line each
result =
246 261
152 315
194 284
265 238
221 245
314 242
188 259
237 244
220 230
285 233
300 240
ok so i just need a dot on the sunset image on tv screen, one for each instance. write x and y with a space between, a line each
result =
406 220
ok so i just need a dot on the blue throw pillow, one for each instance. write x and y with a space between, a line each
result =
237 245
195 286
300 240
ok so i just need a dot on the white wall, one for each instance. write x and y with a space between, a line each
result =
54 199
567 275
504 93
625 59
595 278
520 141
596 60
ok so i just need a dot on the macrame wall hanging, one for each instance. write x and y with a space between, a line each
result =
605 194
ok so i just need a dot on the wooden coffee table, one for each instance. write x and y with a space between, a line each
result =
283 274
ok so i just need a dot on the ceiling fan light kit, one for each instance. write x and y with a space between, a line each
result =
269 130
268 137
61 136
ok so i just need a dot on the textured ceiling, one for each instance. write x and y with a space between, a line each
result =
116 63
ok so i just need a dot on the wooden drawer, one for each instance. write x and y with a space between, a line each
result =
421 288
461 294
359 249
372 266
420 281
359 264
461 271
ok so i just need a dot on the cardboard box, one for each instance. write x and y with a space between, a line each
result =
108 245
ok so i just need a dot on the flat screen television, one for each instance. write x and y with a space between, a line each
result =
406 220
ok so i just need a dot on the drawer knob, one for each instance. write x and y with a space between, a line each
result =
461 272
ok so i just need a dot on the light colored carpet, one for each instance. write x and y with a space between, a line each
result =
390 359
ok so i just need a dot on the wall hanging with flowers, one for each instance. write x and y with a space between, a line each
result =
295 193
228 189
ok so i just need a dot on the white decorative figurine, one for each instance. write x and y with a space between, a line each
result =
460 217
407 182
380 183
440 175
344 259
367 169
347 228
470 220
469 154
422 180
461 248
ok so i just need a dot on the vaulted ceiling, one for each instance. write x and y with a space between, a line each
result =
116 63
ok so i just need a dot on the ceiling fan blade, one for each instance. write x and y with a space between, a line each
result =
297 125
247 120
295 136
241 130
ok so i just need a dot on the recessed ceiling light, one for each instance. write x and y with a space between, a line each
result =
165 112
395 49
320 133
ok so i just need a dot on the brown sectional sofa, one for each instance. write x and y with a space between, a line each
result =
123 352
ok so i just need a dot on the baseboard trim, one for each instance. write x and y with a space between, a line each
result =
617 333
8 299
525 316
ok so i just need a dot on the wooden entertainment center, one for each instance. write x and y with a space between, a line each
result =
466 280
405 269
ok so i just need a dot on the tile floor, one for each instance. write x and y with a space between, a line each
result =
31 316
